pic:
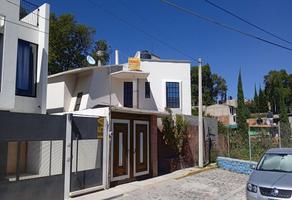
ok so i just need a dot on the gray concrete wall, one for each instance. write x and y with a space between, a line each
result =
44 161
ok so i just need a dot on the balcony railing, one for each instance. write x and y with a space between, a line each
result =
29 12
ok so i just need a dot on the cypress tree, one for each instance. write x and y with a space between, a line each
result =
284 121
263 102
242 112
256 100
283 109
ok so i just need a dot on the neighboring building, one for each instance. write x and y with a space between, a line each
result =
24 33
225 113
136 93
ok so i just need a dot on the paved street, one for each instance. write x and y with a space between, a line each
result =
212 184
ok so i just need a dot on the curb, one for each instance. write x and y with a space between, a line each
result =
208 168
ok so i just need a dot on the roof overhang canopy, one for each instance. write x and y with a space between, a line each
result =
130 75
139 111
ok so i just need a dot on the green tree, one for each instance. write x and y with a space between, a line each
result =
242 112
219 87
214 86
284 122
253 105
263 102
275 81
174 132
69 43
256 100
101 45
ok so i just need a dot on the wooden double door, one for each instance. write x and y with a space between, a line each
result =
130 149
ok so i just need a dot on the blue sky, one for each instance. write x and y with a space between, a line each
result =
225 51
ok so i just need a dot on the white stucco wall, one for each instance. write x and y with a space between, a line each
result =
160 73
14 30
95 85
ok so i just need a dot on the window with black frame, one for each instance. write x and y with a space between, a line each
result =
147 90
172 95
26 68
78 101
128 94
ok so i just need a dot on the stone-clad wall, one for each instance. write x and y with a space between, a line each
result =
235 165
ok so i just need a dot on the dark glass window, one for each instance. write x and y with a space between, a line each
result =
128 94
78 101
172 95
147 90
26 69
1 56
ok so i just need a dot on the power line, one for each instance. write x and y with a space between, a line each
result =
142 31
210 20
247 22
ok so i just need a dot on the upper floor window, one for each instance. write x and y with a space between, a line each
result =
172 95
147 89
128 94
78 101
26 69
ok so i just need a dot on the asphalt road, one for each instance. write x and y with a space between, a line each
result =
209 185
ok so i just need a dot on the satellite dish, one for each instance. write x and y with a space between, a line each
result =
90 60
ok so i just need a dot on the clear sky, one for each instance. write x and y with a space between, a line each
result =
225 51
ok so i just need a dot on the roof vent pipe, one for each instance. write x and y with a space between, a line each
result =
116 57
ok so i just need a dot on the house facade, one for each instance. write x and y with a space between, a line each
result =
158 84
224 113
131 97
24 30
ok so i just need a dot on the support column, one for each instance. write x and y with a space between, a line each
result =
153 145
68 158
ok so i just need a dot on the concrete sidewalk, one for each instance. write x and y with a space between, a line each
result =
129 187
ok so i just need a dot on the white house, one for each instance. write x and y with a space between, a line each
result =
136 93
24 33
158 84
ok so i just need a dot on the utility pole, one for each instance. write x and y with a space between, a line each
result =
201 154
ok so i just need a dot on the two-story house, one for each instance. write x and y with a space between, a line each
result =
24 33
132 96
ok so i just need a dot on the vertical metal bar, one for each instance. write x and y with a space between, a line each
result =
105 154
249 143
76 154
228 143
68 156
279 135
110 130
50 161
17 161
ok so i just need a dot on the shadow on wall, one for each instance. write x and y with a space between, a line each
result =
42 84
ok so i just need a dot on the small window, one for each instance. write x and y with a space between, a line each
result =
78 101
128 94
26 69
147 89
172 95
